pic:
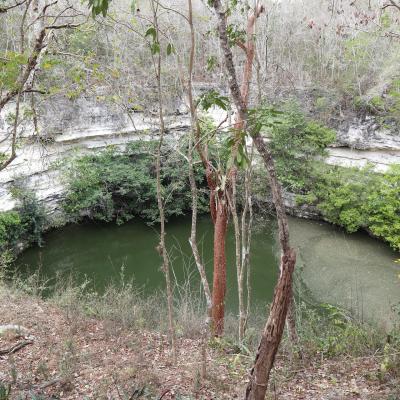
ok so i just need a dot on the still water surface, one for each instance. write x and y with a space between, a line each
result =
352 271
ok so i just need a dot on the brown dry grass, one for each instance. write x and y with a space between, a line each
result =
77 357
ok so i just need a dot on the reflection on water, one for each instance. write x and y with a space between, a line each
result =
353 271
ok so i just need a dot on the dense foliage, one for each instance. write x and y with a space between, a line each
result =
360 198
121 185
385 107
10 229
295 143
350 197
25 224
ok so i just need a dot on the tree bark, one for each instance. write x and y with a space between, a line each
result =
273 330
272 334
218 212
219 278
243 236
160 202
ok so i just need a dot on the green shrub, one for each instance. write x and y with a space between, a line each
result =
383 207
341 194
331 331
359 198
385 107
120 186
10 229
296 143
26 223
350 197
31 213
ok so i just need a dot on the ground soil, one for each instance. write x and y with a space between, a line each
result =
76 357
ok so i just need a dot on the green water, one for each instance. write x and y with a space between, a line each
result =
353 271
98 251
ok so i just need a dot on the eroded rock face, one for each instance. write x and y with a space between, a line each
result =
367 134
69 128
292 207
363 141
82 115
88 125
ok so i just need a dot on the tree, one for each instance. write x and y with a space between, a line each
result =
273 330
156 55
194 136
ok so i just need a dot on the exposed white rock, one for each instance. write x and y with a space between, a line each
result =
348 157
87 128
15 330
84 126
366 134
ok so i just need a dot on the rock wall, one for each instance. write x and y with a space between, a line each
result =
361 141
88 126
67 129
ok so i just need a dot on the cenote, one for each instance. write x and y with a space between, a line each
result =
352 271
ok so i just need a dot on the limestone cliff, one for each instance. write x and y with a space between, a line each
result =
87 125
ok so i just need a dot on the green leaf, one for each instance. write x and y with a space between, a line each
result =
99 7
151 32
155 48
170 49
213 98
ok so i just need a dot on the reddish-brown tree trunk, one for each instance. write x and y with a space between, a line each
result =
219 215
219 277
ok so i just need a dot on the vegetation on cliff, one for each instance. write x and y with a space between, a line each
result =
115 185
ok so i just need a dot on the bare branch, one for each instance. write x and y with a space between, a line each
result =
391 3
31 64
5 9
64 26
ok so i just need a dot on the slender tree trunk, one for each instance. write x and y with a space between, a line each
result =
238 258
242 233
29 69
195 135
272 334
193 235
242 236
162 247
218 211
246 227
273 330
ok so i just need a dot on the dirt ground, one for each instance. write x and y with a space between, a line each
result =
72 357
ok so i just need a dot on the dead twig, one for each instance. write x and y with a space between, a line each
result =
49 383
16 347
164 393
